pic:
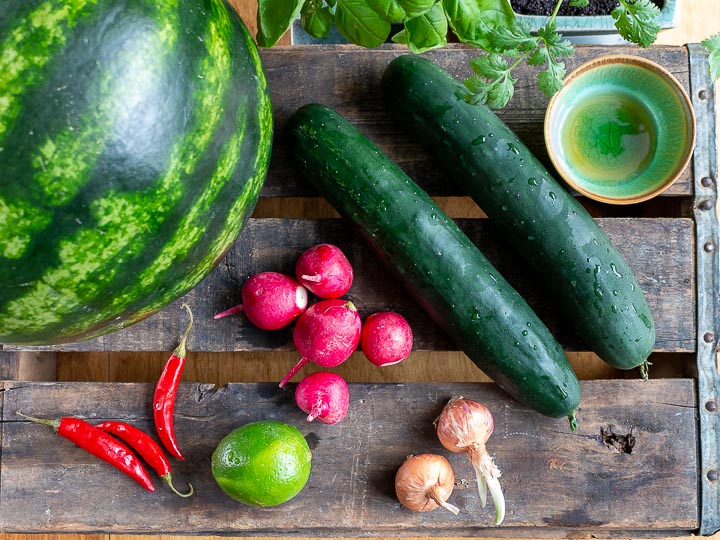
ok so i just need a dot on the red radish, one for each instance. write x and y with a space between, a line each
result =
386 338
323 395
326 333
270 300
325 271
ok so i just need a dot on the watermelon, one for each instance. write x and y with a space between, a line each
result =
135 137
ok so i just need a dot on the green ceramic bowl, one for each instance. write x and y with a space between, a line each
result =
621 130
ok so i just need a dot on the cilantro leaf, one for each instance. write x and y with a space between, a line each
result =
712 45
551 45
551 79
511 40
493 83
579 3
636 20
554 42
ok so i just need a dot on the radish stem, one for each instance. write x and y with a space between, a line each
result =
227 312
304 360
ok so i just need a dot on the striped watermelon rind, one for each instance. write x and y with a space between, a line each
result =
135 138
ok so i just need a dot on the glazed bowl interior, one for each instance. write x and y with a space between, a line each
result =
621 130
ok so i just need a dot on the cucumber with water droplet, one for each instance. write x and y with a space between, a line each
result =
441 267
569 253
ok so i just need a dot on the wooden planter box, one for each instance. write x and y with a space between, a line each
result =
643 462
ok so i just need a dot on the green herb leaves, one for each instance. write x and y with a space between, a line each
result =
360 24
490 25
712 45
273 19
636 21
316 18
428 31
493 83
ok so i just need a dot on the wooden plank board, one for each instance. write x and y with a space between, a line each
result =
28 366
347 78
553 479
660 252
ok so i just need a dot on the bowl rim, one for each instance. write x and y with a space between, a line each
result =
645 64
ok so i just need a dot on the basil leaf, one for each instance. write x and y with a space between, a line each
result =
274 18
400 37
390 10
427 31
415 8
359 24
316 18
472 20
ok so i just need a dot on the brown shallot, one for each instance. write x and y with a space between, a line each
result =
424 482
464 426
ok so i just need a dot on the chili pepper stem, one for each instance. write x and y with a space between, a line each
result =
53 423
180 349
168 479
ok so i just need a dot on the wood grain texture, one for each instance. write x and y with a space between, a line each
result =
596 486
28 366
347 78
660 252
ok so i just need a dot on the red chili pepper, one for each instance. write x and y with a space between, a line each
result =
99 444
148 449
165 393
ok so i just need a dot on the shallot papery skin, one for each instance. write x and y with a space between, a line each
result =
464 426
463 423
424 482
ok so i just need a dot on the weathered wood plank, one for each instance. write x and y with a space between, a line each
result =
553 478
347 78
9 366
28 366
660 251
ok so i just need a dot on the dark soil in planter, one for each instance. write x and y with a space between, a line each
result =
545 7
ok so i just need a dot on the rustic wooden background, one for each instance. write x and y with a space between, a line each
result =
700 18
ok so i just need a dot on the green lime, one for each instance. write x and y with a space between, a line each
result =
262 463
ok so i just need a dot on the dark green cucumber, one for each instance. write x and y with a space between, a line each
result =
567 250
442 268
